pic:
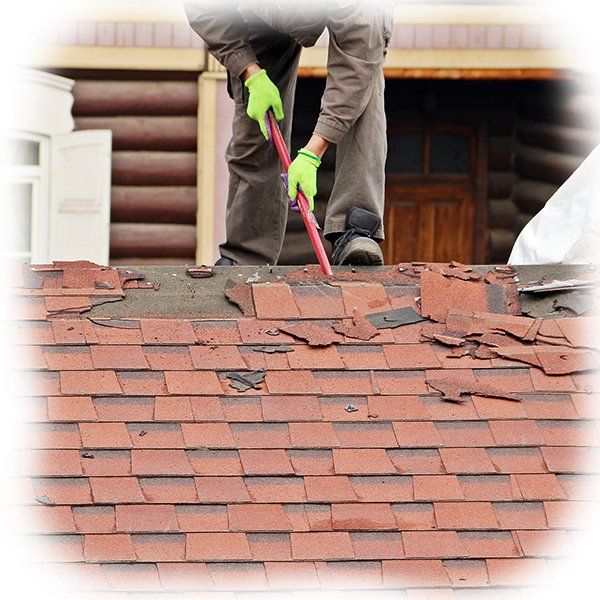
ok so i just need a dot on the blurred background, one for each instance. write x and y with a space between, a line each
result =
114 150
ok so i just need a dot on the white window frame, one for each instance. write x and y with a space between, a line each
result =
39 178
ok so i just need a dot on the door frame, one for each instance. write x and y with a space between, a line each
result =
478 173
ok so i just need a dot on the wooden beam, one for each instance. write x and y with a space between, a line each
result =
115 57
486 63
417 73
480 226
205 165
478 73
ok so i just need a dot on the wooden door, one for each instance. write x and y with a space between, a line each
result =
431 193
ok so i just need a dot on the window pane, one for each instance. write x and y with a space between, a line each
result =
16 152
449 153
16 200
405 153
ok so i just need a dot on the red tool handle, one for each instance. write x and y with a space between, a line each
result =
307 216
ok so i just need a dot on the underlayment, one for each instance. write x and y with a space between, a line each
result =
183 296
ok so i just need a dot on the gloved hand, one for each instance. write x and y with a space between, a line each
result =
263 96
303 173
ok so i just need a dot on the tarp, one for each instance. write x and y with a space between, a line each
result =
567 229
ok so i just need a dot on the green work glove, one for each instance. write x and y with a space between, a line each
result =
263 96
303 173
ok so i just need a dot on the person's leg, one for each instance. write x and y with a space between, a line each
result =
360 167
257 204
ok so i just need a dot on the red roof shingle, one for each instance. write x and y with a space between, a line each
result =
345 467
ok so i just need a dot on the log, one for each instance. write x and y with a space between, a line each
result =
142 240
501 153
561 138
501 183
502 214
154 168
107 98
145 204
146 133
545 165
501 242
531 196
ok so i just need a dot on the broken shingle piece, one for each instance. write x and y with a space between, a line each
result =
448 340
240 295
272 349
563 361
117 323
391 319
314 335
439 294
581 331
358 329
452 390
457 270
243 381
200 272
522 354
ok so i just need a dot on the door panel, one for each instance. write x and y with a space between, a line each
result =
428 221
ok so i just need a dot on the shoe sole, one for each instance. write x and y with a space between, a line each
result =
362 252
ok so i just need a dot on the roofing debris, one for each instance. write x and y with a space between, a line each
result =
394 318
558 286
454 389
314 335
200 272
357 328
440 293
241 296
457 270
371 460
272 349
243 381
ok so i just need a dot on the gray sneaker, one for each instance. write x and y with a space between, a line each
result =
356 245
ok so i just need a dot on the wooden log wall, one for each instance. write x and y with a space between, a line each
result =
153 120
554 133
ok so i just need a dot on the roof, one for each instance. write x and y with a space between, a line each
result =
176 441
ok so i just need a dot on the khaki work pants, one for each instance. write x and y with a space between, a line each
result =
257 204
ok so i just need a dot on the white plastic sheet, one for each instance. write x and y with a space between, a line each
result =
567 229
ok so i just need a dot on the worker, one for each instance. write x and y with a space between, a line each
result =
259 43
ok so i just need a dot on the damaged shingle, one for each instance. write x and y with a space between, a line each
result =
314 335
394 318
243 381
272 349
358 328
200 272
452 390
241 296
118 323
448 340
